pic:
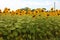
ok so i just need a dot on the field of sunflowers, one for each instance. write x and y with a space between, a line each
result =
33 12
30 24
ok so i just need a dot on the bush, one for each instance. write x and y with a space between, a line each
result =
28 28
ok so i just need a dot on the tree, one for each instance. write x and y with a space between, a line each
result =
26 8
44 9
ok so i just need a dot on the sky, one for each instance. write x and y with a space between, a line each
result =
17 4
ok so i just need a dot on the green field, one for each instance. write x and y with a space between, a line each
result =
28 28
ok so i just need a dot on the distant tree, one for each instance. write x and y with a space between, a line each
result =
44 9
33 10
26 8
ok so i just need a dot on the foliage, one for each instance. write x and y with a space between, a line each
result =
26 27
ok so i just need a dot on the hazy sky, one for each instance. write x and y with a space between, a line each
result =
15 4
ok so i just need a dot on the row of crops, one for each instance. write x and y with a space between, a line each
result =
35 26
29 11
